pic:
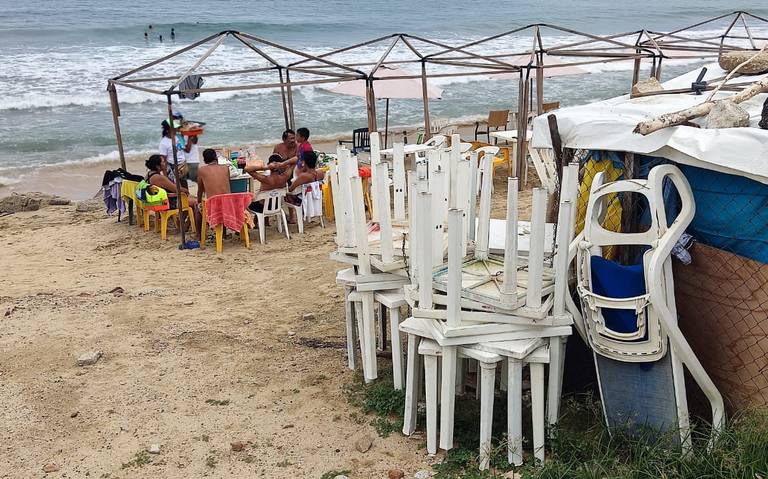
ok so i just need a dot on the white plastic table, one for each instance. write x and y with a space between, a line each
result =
510 136
410 149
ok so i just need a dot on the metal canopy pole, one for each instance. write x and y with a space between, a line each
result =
425 99
289 95
282 97
116 120
522 124
176 171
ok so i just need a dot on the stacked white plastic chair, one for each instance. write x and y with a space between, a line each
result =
374 252
477 304
656 331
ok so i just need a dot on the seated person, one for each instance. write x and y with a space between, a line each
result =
303 146
306 173
286 149
212 178
157 176
277 178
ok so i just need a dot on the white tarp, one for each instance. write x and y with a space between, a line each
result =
608 125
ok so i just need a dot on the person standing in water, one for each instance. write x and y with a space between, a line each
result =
173 34
161 38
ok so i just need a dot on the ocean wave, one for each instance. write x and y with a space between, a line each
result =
6 181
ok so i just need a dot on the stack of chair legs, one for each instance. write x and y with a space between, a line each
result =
479 306
376 270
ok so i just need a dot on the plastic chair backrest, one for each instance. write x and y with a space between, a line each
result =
273 201
360 139
498 118
649 341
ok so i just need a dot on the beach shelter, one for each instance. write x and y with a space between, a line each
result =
386 89
721 282
193 70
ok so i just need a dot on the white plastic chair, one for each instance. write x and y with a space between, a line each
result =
434 142
299 209
655 309
545 167
486 150
273 207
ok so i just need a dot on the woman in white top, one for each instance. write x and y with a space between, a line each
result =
166 150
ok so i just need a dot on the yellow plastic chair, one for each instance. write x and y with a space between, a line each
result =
244 234
128 192
174 213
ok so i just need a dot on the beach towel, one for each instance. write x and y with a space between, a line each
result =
312 199
112 199
228 209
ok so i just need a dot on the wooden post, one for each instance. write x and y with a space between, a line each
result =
282 97
539 85
557 148
386 124
172 134
116 120
289 95
370 98
509 292
425 99
522 124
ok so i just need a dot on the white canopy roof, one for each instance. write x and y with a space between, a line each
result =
608 125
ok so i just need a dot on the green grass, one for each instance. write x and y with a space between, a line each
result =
379 399
581 447
332 474
140 459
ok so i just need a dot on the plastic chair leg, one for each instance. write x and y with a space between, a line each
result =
219 238
245 236
164 226
300 219
431 385
412 370
537 409
191 214
397 348
514 412
145 220
203 232
285 224
488 373
262 235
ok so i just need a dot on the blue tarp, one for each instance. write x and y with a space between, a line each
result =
731 212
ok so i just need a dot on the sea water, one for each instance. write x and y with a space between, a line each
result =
57 55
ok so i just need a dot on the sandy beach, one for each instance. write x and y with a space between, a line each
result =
199 350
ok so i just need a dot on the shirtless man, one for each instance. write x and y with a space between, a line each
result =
286 149
278 178
212 178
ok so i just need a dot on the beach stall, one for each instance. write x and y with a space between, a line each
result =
185 74
721 276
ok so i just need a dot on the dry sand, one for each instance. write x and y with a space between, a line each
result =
189 328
